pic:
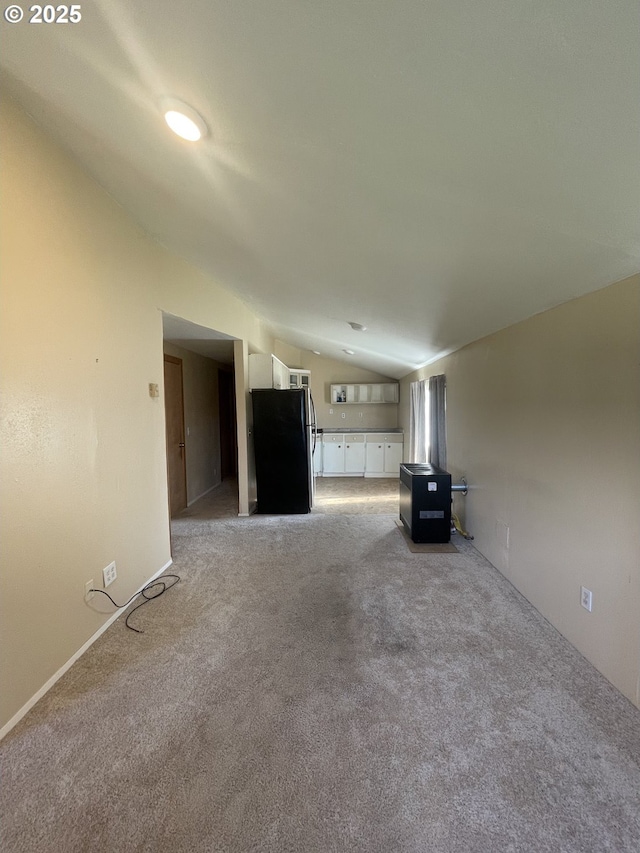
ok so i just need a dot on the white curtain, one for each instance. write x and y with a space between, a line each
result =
419 424
437 424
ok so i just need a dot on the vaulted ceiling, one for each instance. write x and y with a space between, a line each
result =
434 170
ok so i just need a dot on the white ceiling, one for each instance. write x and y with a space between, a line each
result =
435 170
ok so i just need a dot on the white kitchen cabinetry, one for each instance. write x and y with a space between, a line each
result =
267 371
299 378
354 454
343 455
392 459
383 454
332 455
371 392
374 460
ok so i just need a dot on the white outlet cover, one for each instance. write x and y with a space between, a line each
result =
109 574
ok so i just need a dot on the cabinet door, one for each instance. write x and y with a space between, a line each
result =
390 392
354 457
374 460
298 379
333 458
376 395
364 393
338 393
392 458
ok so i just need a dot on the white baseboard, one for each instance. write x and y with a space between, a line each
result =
253 506
49 684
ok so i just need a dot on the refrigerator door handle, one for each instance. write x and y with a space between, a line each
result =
314 422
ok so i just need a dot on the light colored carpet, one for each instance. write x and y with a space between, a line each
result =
425 547
310 686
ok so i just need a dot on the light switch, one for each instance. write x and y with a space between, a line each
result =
154 391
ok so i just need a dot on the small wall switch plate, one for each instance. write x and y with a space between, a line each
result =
109 574
586 598
154 391
330 411
88 591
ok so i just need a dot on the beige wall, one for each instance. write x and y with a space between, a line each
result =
83 464
543 419
327 371
201 420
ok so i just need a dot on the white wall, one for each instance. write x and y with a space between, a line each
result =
83 464
543 418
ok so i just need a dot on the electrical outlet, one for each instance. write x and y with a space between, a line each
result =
586 598
109 574
344 414
88 591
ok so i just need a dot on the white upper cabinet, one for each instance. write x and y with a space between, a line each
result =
369 392
267 371
299 378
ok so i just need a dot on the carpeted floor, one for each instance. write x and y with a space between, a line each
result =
310 685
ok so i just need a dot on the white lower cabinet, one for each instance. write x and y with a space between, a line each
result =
384 454
354 455
358 454
374 456
332 455
392 459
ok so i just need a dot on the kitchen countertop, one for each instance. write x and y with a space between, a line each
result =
359 429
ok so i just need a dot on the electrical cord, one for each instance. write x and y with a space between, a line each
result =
459 527
143 592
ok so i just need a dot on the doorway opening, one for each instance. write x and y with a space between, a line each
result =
174 418
200 407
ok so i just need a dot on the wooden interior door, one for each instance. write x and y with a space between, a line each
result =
174 414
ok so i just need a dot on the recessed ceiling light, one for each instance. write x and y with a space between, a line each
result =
348 351
183 120
358 327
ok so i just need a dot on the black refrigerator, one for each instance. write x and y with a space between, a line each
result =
283 435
